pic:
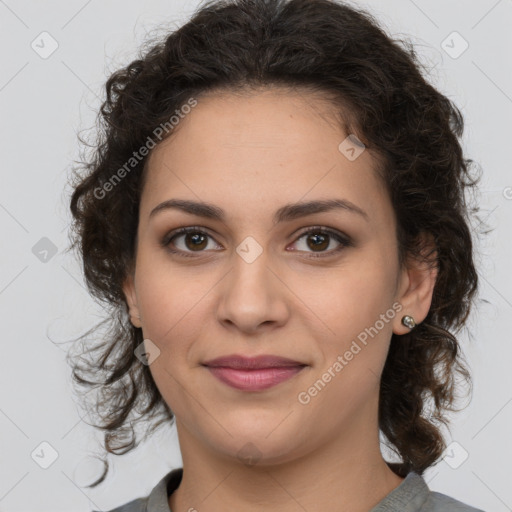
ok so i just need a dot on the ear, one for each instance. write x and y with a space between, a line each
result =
131 299
416 285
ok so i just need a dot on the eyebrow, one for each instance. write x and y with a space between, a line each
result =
287 212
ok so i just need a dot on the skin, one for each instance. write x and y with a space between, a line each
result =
250 155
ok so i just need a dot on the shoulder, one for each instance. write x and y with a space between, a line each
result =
437 502
414 495
138 505
157 500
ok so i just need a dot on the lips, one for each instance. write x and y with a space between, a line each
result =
252 363
253 373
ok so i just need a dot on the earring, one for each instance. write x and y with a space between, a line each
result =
408 321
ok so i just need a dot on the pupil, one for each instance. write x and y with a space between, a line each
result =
196 238
321 239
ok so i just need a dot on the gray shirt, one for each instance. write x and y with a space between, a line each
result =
412 495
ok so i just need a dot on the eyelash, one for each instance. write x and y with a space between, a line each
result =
342 239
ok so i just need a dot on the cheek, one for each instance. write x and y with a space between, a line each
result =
352 297
355 303
164 304
173 315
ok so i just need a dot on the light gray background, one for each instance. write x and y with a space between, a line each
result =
45 102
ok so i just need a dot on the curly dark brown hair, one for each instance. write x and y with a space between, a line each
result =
377 86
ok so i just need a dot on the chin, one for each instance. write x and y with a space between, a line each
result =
259 443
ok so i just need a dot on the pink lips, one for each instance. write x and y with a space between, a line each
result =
253 373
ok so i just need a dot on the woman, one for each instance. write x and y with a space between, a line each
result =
275 213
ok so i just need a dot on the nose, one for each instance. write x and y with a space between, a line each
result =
253 296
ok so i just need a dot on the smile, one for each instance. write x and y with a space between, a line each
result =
254 380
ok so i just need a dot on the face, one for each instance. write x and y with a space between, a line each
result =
321 288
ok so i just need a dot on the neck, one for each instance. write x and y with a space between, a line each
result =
348 473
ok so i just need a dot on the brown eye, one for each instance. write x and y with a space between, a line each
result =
194 240
189 240
318 240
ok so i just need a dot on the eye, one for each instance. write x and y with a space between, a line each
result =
321 238
195 239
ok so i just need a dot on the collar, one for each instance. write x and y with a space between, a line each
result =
407 497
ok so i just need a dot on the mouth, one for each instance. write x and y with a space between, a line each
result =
253 373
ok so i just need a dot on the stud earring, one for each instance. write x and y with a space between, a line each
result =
408 321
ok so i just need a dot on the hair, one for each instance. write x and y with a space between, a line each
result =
377 86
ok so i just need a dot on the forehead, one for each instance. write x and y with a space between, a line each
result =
255 152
